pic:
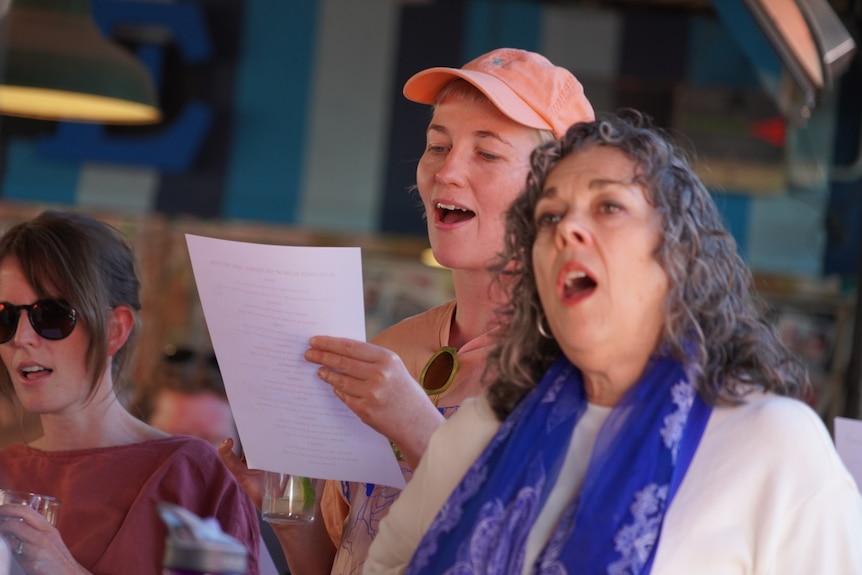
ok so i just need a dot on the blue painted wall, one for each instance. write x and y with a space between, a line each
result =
291 112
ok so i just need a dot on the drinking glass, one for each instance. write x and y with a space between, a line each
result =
289 498
47 506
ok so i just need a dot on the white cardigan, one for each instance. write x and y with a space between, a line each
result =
766 493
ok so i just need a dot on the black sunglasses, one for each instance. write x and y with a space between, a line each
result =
439 373
51 318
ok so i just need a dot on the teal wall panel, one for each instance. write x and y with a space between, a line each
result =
715 59
493 24
271 109
735 210
352 93
29 177
320 135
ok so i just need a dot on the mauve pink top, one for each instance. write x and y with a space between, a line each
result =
108 516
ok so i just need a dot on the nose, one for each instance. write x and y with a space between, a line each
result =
25 332
572 230
451 170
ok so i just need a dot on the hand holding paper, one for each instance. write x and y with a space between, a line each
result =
262 303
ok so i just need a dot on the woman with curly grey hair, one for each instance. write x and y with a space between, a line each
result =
642 416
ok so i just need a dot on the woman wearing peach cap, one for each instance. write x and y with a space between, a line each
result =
644 417
487 118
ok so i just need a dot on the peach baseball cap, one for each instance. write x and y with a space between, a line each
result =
525 86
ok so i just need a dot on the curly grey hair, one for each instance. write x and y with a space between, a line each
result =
714 322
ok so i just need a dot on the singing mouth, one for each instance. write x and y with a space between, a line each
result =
452 214
576 282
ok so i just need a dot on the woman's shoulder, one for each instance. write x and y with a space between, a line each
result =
191 466
157 448
191 474
469 430
184 450
185 443
778 428
427 323
770 413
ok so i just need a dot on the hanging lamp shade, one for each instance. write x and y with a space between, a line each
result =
58 66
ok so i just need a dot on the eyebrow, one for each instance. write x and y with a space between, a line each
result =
478 133
596 184
605 182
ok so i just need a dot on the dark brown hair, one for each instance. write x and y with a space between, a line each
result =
89 264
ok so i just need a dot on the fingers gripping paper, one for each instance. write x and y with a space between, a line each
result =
262 303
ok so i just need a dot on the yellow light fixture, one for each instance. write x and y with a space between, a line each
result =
58 66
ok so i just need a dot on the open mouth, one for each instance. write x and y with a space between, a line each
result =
576 283
452 214
29 371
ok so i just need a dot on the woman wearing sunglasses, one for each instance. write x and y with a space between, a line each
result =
68 321
486 118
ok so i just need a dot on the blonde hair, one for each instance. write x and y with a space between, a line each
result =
463 90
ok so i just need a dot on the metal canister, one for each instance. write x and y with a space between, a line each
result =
196 546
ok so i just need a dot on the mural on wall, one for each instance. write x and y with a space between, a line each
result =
291 112
172 167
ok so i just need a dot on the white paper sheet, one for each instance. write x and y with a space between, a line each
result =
848 442
262 303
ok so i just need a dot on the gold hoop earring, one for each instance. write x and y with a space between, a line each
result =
540 324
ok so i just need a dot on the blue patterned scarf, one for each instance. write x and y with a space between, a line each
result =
612 528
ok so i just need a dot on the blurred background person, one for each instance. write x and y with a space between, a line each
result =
643 416
69 304
186 396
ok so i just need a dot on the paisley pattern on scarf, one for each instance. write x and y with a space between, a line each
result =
614 525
